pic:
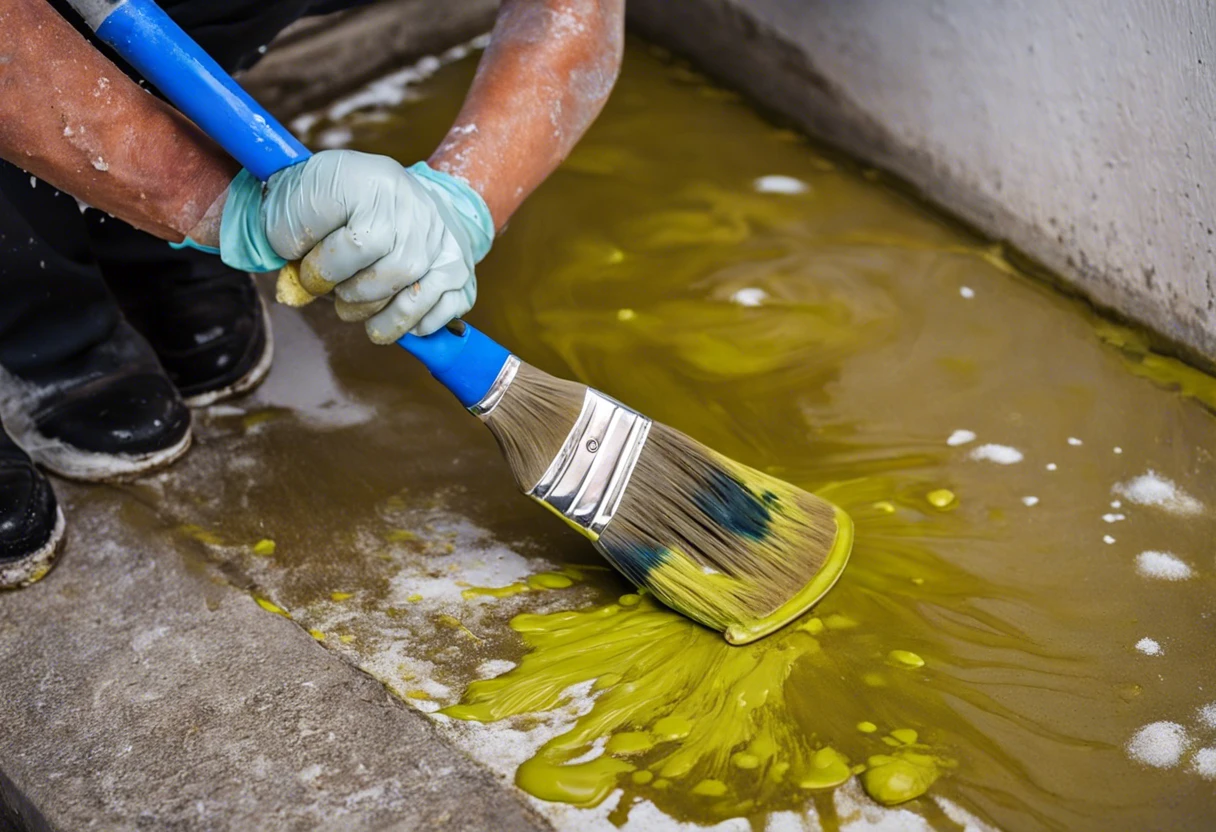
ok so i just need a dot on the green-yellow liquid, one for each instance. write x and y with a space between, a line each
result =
980 647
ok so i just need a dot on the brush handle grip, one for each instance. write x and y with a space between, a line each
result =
468 362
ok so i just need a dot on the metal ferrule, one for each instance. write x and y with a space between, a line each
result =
498 389
588 477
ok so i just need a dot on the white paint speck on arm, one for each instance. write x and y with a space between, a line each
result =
1149 647
1107 539
1162 566
967 292
960 437
1114 518
1051 466
1030 501
1074 441
1000 454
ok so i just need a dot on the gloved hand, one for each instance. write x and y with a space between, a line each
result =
397 245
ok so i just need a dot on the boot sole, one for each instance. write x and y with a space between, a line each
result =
90 466
246 382
35 566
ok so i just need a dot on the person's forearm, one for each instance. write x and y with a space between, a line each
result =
544 78
71 117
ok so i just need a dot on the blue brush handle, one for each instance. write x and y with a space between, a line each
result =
466 363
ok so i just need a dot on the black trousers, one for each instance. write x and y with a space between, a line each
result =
63 270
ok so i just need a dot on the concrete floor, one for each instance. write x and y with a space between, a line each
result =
142 689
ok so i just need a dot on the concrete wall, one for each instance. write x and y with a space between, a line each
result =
1083 134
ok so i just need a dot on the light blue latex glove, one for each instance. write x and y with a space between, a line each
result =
397 245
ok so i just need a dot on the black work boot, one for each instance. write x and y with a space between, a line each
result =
31 524
80 390
205 321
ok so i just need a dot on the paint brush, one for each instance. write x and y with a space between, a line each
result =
728 546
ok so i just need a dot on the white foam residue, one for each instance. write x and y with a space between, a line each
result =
1158 744
960 437
1207 715
1152 489
491 668
1204 763
777 184
1030 501
1162 566
1149 647
967 292
593 753
749 296
1000 454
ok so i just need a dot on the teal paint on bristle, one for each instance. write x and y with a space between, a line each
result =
731 547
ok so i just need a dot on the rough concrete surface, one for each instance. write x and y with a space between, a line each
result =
138 692
1081 134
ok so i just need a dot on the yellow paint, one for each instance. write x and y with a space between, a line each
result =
341 596
539 582
401 536
264 547
494 591
867 727
201 535
317 634
414 598
346 639
549 580
899 777
271 606
942 498
905 658
710 788
260 417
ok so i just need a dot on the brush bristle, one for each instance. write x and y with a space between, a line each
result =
731 547
728 546
532 421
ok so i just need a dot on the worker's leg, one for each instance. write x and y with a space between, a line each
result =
81 391
204 320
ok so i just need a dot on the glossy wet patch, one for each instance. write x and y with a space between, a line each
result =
1023 635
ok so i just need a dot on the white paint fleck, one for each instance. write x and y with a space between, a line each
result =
1074 441
1116 504
1162 566
1149 647
1152 489
1030 501
777 184
1158 744
749 296
1114 518
1051 466
967 292
960 437
1000 454
1118 450
33 181
1107 539
101 164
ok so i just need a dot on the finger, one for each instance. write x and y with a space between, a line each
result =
388 275
342 254
358 311
452 304
410 305
287 288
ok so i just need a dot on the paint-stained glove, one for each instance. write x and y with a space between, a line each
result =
397 245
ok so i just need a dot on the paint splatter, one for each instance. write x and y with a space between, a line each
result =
749 296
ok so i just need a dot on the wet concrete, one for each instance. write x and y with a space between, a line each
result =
140 691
